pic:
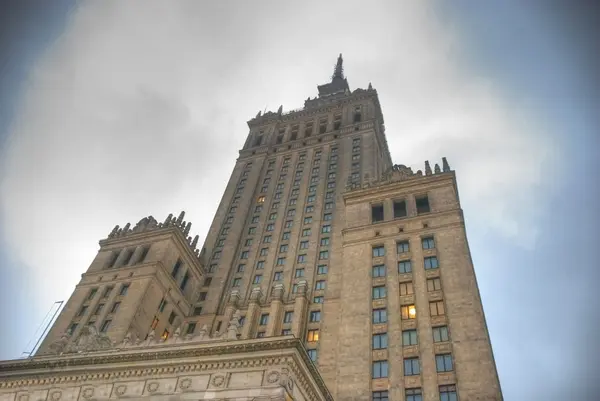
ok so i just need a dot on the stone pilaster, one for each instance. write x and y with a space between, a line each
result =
249 328
232 305
300 305
274 325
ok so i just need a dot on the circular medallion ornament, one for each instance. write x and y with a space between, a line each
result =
218 380
88 393
185 384
120 390
273 377
152 387
55 396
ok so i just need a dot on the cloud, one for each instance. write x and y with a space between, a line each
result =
139 110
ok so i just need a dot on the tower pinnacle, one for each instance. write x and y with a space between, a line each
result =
338 72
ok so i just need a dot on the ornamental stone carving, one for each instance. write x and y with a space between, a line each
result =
121 389
152 387
218 380
87 393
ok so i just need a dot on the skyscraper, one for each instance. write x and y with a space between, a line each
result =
320 236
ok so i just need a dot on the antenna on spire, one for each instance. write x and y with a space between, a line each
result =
338 72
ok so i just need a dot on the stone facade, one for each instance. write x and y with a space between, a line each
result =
318 236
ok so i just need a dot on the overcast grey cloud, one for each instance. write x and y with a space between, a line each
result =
139 108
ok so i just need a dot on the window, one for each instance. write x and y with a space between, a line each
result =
402 246
314 179
248 242
154 323
379 395
301 258
302 157
408 312
312 189
286 332
260 334
323 255
280 261
422 204
356 149
356 166
242 182
291 212
308 130
443 363
257 279
273 216
124 289
378 251
428 243
291 203
260 264
241 268
376 213
162 304
380 369
242 320
306 232
294 288
409 337
270 227
355 176
379 316
237 281
294 134
436 308
329 195
267 239
264 251
251 230
318 299
312 354
356 157
308 220
277 195
264 319
115 307
326 229
217 255
225 231
285 236
379 292
202 296
378 271
404 266
107 291
275 205
380 341
278 276
322 126
244 255
176 268
331 176
258 209
207 281
221 242
299 273
440 334
431 262
191 328
212 268
309 209
287 317
331 184
82 311
172 317
332 167
105 326
448 393
295 192
322 269
315 170
324 241
98 309
289 224
412 367
399 209
127 258
413 394
434 284
303 244
315 316
320 285
312 336
329 205
327 216
406 288
113 259
235 201
286 161
240 190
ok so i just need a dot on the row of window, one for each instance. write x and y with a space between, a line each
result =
399 208
412 366
403 247
409 337
446 393
100 307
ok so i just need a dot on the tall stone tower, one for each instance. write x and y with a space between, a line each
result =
318 236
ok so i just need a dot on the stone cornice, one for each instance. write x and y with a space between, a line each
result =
89 365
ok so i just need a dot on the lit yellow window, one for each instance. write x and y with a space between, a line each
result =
313 336
408 312
261 199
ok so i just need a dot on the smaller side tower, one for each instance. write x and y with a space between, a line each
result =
143 281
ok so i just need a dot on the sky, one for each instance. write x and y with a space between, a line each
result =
112 111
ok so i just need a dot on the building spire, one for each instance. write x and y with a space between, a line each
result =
338 72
